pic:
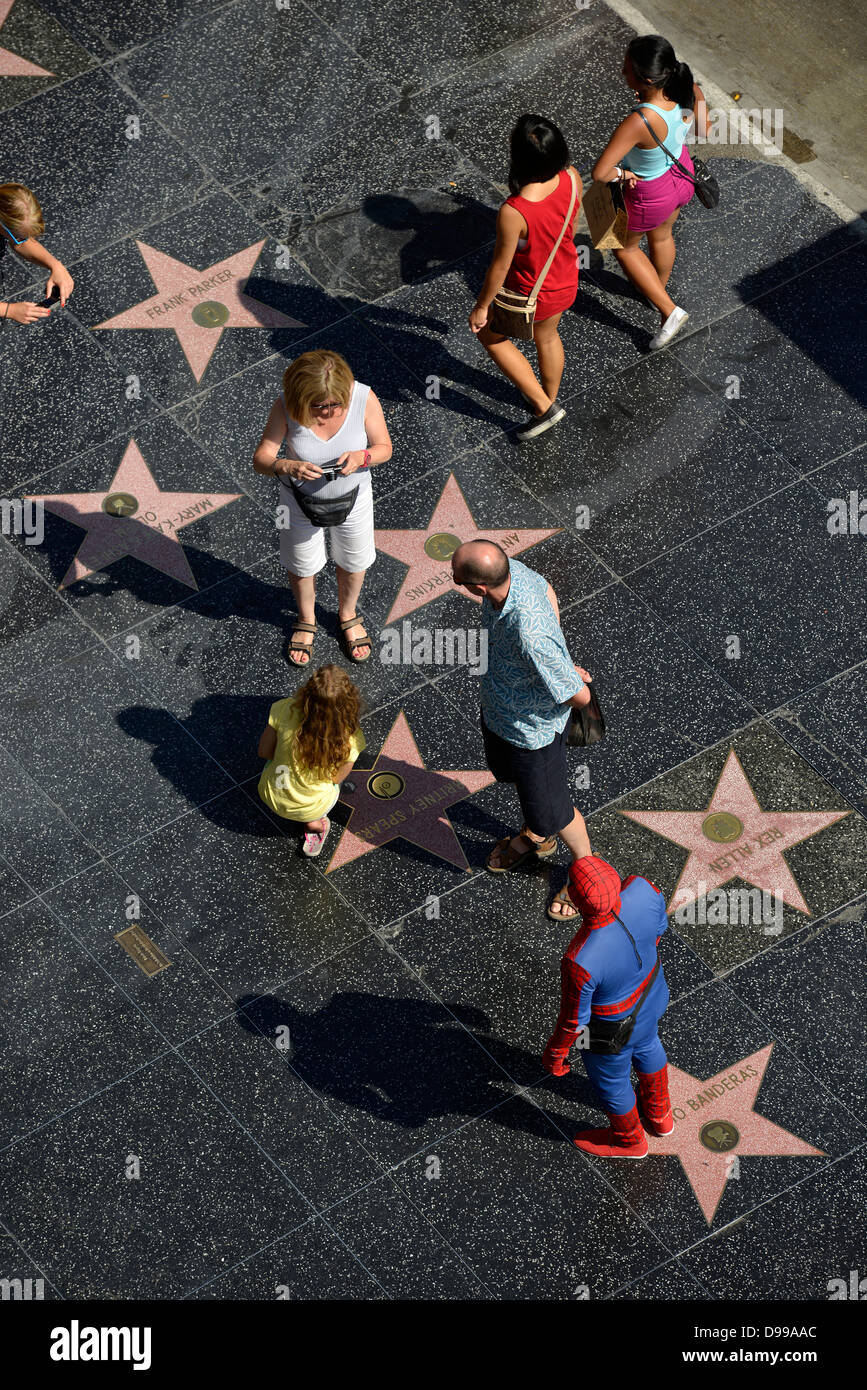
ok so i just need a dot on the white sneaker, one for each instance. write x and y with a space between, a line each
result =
673 324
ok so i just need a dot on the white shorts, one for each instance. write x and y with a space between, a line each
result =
302 545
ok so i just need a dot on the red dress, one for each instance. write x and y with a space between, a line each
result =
544 221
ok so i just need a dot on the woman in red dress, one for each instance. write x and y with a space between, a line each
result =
528 225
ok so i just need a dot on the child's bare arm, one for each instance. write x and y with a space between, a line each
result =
343 772
268 742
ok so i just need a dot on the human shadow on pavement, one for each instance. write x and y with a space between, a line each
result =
409 1061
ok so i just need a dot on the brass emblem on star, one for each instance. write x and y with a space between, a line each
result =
722 827
719 1136
441 545
210 314
385 785
120 504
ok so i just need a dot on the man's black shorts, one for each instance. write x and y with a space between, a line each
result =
540 776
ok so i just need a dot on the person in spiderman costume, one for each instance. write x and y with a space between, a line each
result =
603 971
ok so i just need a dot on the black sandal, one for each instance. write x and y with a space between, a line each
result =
294 646
350 645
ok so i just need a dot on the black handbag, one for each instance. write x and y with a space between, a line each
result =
587 724
704 182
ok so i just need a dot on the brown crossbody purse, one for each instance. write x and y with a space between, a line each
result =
513 314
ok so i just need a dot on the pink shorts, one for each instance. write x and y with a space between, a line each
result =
650 202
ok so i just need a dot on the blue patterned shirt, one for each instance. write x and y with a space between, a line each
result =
530 675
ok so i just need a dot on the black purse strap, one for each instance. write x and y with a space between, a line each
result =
648 986
653 974
685 172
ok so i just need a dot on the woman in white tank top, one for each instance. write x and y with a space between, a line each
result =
332 430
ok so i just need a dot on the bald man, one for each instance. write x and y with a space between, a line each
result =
528 693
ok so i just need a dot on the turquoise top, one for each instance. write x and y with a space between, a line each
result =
652 164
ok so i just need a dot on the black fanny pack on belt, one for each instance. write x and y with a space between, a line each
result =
325 511
611 1035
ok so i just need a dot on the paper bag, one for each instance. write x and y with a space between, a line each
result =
606 216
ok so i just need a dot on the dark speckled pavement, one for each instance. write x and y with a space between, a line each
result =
334 1086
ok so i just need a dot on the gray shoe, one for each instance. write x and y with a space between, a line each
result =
538 424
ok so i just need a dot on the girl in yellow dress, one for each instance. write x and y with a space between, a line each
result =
311 742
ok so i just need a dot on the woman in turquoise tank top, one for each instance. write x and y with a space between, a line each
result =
654 189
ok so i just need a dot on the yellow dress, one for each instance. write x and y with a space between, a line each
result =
287 787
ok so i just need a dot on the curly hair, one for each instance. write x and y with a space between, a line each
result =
330 708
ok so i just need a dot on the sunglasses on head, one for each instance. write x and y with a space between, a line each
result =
16 240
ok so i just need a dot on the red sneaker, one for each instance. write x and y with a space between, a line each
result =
654 1101
624 1139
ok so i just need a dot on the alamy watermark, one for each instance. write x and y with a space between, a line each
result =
77 1343
718 907
742 126
854 1288
847 516
23 518
22 1290
439 646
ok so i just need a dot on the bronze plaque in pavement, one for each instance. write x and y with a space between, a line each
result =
385 785
136 942
210 314
441 545
722 827
120 504
719 1136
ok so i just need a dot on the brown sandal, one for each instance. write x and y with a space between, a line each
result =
351 644
563 897
511 858
544 848
294 646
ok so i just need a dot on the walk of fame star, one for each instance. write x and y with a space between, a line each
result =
734 838
399 798
133 517
199 304
427 553
11 65
715 1120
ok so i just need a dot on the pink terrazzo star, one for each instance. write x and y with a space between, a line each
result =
734 838
399 798
11 65
428 553
710 1129
145 523
199 304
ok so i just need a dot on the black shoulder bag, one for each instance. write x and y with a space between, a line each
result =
704 182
